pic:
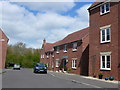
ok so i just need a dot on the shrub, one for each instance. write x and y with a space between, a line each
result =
70 69
100 74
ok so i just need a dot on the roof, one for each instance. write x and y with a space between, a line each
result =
96 3
73 37
68 39
48 46
3 35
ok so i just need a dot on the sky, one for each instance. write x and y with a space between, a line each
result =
31 22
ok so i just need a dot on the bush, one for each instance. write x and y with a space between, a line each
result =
70 69
100 74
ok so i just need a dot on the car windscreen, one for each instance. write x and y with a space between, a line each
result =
40 65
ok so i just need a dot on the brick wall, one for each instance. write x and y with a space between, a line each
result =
70 54
3 49
119 38
97 21
81 55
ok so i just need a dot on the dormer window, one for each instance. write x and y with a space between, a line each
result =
65 48
52 49
58 49
75 46
105 8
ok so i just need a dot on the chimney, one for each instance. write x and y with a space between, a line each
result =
44 41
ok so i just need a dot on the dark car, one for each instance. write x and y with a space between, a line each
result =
40 67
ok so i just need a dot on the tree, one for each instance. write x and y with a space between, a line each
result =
19 54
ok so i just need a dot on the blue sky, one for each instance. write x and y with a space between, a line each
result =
31 22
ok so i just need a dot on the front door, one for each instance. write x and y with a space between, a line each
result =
53 64
64 65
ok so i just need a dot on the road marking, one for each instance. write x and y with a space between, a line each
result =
52 74
76 81
85 84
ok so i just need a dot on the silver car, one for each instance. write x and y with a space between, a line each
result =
16 67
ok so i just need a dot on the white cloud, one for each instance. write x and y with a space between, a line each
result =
83 13
48 6
22 25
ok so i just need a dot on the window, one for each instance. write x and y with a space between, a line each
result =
74 63
47 55
57 62
105 35
105 8
52 49
58 49
41 56
74 46
106 62
52 55
65 48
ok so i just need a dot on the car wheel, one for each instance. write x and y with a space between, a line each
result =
34 71
45 72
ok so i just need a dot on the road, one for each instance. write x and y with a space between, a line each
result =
25 78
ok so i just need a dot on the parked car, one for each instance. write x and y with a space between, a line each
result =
16 67
40 67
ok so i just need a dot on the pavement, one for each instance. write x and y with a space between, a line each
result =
97 83
25 78
89 77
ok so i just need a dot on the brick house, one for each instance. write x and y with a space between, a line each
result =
3 48
47 54
101 40
70 53
104 39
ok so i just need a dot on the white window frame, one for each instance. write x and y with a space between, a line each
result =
57 63
2 40
41 56
74 61
105 11
74 48
101 64
65 48
52 55
58 50
52 49
47 56
105 29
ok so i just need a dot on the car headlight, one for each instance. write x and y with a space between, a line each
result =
45 68
37 67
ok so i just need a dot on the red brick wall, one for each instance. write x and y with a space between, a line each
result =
119 39
46 60
71 54
3 49
82 55
97 21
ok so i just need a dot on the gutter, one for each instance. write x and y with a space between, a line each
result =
98 5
